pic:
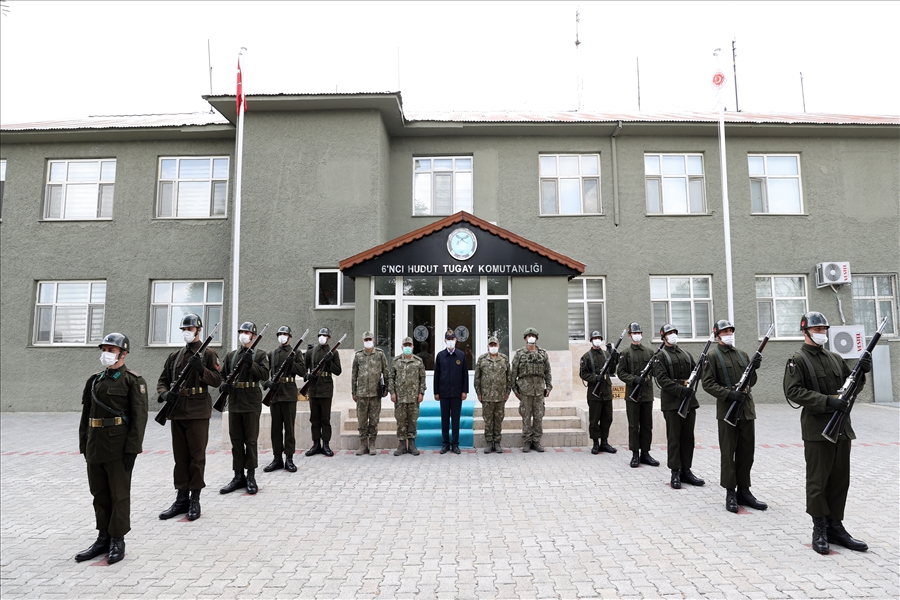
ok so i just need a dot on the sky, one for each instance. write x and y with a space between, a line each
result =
75 59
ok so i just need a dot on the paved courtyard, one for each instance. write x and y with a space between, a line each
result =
564 524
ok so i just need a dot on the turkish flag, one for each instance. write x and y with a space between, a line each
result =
241 100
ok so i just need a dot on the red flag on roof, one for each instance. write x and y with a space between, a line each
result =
241 100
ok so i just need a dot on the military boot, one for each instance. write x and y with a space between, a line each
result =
252 488
274 465
731 504
363 447
820 535
746 498
489 447
838 535
116 550
372 449
194 510
316 449
289 465
412 448
688 477
596 448
536 446
635 459
498 448
676 479
179 507
649 460
326 450
401 448
237 483
101 546
526 447
605 447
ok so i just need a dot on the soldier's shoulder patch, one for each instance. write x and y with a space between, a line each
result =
791 366
143 389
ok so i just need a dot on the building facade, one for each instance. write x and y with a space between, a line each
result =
356 216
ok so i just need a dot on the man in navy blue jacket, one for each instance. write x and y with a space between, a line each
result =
451 385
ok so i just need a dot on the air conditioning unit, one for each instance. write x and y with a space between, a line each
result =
847 340
832 273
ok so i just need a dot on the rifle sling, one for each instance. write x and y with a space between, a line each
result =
112 411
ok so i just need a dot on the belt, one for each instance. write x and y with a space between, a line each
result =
324 374
192 391
110 422
287 380
246 384
683 382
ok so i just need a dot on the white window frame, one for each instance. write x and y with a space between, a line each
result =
546 177
791 328
693 300
687 176
208 322
176 181
585 302
340 291
63 186
456 172
871 328
2 185
764 179
54 306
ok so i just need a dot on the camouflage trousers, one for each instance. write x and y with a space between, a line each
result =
532 410
493 413
368 414
407 415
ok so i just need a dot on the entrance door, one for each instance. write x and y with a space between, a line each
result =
428 321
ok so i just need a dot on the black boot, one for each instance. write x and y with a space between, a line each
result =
401 448
316 448
116 550
194 510
277 463
179 507
731 504
536 446
289 465
646 459
746 498
605 447
237 483
326 450
596 448
688 477
820 535
635 459
412 448
101 546
676 479
838 535
252 488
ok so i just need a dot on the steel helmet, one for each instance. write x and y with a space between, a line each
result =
248 326
667 329
634 328
596 334
284 329
531 331
722 324
813 319
116 339
325 331
191 320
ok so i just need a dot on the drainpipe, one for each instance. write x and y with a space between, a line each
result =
615 174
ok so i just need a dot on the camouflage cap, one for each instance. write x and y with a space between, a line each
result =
407 340
368 336
493 340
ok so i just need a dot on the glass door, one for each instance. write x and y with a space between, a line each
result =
428 321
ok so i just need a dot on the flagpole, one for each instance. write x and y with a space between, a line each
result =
236 250
729 276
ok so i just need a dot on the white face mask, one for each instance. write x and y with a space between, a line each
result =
188 335
636 338
282 339
819 338
108 359
368 344
597 343
672 338
728 340
493 349
323 339
245 338
531 339
451 344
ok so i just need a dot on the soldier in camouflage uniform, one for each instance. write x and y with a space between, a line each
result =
493 382
407 389
531 382
369 379
110 435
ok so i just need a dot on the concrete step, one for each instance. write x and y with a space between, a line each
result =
512 410
552 438
510 422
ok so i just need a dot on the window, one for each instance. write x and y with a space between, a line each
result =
685 302
2 184
192 187
80 189
874 298
334 289
587 307
69 312
442 185
675 184
570 184
171 300
775 184
780 300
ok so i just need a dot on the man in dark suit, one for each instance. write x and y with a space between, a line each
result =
451 386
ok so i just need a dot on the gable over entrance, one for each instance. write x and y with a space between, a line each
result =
461 244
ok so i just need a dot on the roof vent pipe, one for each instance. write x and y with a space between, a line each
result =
615 174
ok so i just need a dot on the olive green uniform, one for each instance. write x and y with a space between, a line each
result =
532 381
407 382
671 370
283 406
827 464
493 383
190 421
104 437
723 369
244 407
640 414
321 391
600 407
368 372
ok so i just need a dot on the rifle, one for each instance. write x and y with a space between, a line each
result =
607 364
318 368
168 409
246 354
849 391
284 367
636 390
736 410
692 381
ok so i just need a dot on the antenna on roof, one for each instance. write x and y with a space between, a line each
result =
737 106
578 81
638 59
209 58
802 93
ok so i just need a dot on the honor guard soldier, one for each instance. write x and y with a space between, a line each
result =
600 408
672 370
321 393
532 382
190 421
407 389
368 384
721 373
283 406
493 383
451 386
244 408
110 435
640 414
812 378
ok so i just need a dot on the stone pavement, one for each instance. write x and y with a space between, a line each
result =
563 524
